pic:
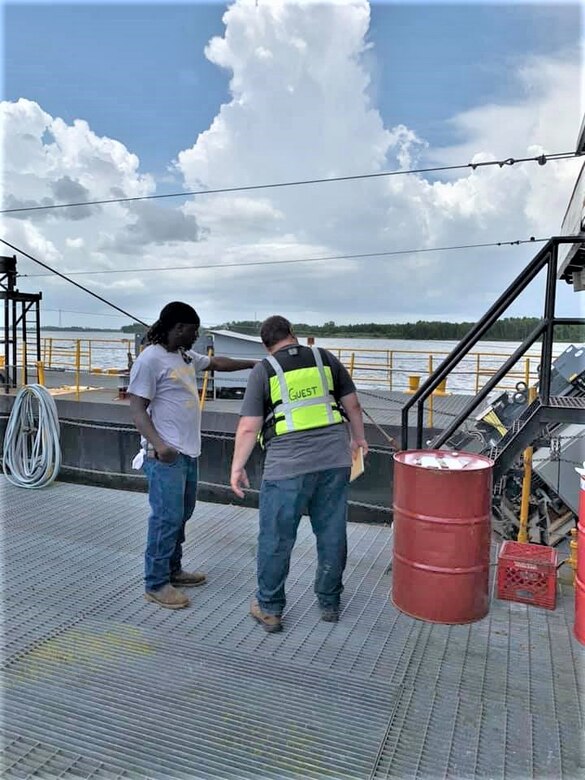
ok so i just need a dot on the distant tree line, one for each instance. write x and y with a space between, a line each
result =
508 329
78 329
136 327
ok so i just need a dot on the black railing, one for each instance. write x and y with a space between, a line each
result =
546 258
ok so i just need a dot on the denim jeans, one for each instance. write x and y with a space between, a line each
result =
172 489
323 495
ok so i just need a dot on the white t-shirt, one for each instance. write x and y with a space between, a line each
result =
171 386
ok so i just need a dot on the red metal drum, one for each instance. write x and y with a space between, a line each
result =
442 530
579 627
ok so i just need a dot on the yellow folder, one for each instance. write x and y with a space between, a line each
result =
357 467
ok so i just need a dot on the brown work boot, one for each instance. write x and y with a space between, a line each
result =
188 579
168 597
270 623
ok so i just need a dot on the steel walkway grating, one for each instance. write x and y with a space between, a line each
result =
25 757
435 734
194 707
89 665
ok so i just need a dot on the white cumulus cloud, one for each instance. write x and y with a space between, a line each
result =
308 114
300 107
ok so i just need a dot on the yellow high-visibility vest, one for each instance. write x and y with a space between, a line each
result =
301 393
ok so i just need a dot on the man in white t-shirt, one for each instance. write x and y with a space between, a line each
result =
164 402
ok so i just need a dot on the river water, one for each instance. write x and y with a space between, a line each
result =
381 363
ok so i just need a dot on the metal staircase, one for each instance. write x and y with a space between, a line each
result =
547 409
520 435
533 423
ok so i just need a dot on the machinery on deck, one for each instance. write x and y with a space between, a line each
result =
555 491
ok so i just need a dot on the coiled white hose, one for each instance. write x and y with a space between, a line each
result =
32 452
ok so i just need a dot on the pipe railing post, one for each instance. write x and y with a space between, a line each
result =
548 335
77 366
431 418
572 559
525 501
23 371
205 382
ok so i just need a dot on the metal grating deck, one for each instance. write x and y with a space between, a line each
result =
100 684
567 402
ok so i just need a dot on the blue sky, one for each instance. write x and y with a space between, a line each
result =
137 72
440 59
130 70
317 91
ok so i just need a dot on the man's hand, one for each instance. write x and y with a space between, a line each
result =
246 434
166 454
356 444
239 478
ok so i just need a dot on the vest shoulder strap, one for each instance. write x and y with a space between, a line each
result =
324 383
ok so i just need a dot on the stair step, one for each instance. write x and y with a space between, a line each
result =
564 409
566 402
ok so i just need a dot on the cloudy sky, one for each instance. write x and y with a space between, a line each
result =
108 100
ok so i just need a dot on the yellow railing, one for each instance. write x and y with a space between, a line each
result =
81 357
391 369
405 369
86 355
203 396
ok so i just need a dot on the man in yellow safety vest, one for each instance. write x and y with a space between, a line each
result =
302 405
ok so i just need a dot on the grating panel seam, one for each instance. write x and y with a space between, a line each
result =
492 742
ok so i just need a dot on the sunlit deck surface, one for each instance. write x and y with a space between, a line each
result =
100 684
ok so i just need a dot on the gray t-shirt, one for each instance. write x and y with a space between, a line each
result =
301 452
171 386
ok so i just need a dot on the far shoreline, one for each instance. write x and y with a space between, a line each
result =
123 335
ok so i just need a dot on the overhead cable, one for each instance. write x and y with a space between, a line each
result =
76 284
88 313
541 159
150 318
362 255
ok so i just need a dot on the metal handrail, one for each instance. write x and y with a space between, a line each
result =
546 257
490 385
389 368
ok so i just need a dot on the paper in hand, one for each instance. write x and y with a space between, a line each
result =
357 466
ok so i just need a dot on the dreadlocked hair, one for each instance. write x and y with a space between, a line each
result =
157 334
172 314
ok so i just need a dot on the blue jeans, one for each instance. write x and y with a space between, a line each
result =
172 490
323 495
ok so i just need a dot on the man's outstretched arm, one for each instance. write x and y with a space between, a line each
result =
220 363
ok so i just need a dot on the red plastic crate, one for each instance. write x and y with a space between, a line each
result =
528 573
